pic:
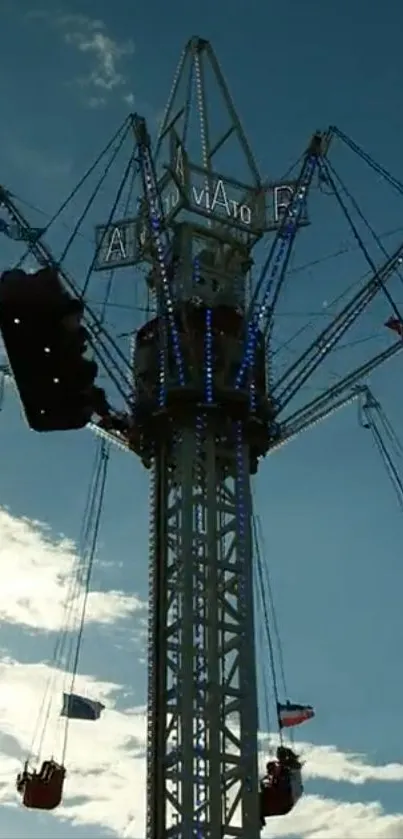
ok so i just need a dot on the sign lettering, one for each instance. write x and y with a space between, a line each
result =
189 187
217 202
116 245
202 198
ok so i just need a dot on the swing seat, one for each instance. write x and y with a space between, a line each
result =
43 790
279 794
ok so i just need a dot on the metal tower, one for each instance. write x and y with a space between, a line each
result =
204 414
205 420
205 409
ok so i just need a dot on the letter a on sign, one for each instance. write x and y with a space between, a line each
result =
116 246
179 160
220 198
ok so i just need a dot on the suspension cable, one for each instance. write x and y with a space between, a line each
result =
273 611
81 182
263 632
327 170
261 588
389 430
380 170
87 531
112 273
80 579
91 200
386 458
376 237
109 222
98 505
61 653
99 338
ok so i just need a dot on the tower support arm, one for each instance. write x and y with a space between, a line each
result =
273 273
284 238
336 397
161 246
299 372
292 430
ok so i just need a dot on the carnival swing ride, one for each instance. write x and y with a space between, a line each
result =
199 400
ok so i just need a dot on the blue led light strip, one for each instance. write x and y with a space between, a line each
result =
294 211
156 230
243 514
162 351
200 663
151 612
240 494
252 394
208 357
174 647
208 342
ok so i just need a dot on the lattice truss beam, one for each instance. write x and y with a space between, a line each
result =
201 143
202 697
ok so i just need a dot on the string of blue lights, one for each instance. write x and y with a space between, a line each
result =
175 649
293 216
156 229
200 663
208 356
243 517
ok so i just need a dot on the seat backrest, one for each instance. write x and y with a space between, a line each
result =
44 795
277 798
296 784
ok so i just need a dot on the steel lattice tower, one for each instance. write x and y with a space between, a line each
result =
205 438
206 409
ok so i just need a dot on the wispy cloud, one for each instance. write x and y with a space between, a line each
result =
317 817
103 54
103 756
37 572
97 793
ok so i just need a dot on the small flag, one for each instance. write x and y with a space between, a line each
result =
77 707
292 714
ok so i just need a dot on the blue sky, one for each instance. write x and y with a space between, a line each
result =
332 525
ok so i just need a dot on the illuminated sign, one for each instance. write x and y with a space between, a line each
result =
116 245
222 201
186 188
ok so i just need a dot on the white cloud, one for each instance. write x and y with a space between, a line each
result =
130 99
37 572
103 53
105 785
324 818
96 102
106 771
328 762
